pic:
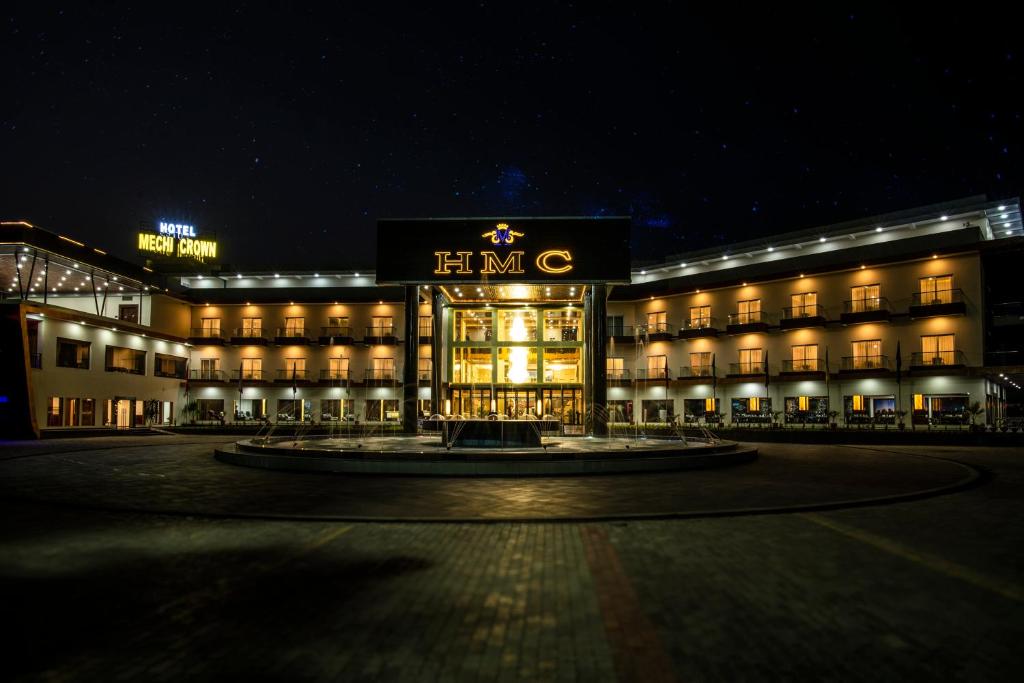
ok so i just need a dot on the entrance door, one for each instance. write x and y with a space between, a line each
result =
566 405
124 412
516 404
128 313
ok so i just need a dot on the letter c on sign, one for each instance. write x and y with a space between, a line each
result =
544 261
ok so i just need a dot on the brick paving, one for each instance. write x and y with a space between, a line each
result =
916 590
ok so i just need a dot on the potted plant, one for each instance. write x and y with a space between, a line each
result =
832 415
900 414
189 411
975 411
151 411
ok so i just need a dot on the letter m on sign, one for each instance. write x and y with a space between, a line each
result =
513 263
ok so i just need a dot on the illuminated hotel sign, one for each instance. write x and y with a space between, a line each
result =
177 241
521 250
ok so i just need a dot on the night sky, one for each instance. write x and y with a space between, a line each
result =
288 132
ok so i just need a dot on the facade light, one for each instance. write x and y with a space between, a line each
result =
1002 207
878 229
771 248
943 217
821 239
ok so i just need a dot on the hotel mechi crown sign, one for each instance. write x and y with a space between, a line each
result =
522 250
177 241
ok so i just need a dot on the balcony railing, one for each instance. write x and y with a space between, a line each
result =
207 375
205 333
247 333
696 371
620 331
618 375
938 297
698 323
749 368
658 328
929 359
36 360
805 365
334 331
177 373
292 333
335 375
424 375
378 331
248 375
748 318
652 374
380 375
286 375
806 311
876 303
865 363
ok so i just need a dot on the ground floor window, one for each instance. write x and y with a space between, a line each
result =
382 410
859 409
337 409
697 409
210 409
249 409
946 409
294 410
658 410
63 411
423 405
806 409
752 410
620 411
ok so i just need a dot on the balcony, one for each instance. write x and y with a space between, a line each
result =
205 336
698 372
248 336
620 334
336 378
867 365
873 310
741 323
652 375
696 328
335 336
807 366
291 335
287 374
380 334
618 377
751 369
207 375
248 375
36 360
424 377
930 360
658 332
939 302
380 378
794 317
426 332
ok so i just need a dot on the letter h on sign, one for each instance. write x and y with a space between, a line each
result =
445 263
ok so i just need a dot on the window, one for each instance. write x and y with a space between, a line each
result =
337 322
337 368
751 361
749 312
805 358
385 410
211 327
472 365
72 353
752 410
295 368
937 349
700 364
209 368
337 409
383 326
517 326
657 367
806 409
658 410
867 354
252 368
383 368
700 317
54 412
936 290
169 366
657 322
120 359
562 325
865 298
294 410
252 327
294 327
424 370
615 327
210 409
804 305
700 409
473 326
426 326
563 365
616 368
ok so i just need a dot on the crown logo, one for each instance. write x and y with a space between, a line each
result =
502 234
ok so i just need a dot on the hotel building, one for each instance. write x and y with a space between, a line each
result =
875 321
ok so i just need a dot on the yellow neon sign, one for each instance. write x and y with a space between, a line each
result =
543 261
183 247
512 265
445 262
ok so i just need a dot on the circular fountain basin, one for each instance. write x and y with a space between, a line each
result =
426 456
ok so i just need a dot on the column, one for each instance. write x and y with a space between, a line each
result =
599 355
410 379
436 352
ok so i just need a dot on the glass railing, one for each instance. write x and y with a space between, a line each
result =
877 303
380 331
248 333
696 371
619 331
207 375
618 375
652 373
292 332
336 375
698 323
937 297
205 333
933 358
247 375
336 331
380 375
424 375
749 368
807 311
804 365
658 328
289 373
747 318
866 363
